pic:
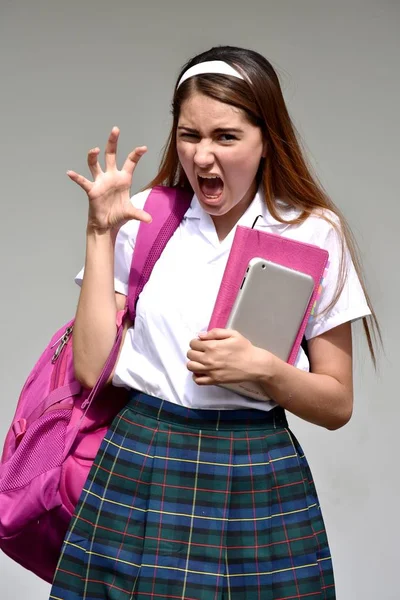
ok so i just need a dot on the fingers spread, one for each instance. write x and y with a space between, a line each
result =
85 184
111 149
93 162
133 159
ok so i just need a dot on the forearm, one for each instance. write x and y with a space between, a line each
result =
318 398
95 323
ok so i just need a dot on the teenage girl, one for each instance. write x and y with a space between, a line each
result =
199 493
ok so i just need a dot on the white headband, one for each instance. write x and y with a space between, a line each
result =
219 67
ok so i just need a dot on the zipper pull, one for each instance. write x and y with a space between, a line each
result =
57 341
62 344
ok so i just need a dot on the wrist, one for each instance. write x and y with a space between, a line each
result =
264 366
96 234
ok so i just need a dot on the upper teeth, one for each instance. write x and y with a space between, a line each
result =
209 176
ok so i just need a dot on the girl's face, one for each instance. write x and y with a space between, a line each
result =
220 152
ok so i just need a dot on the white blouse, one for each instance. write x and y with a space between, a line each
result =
178 300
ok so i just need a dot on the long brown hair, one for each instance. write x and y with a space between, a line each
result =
285 173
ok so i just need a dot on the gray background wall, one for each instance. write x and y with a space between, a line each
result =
71 70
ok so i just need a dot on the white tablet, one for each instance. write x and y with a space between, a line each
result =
268 311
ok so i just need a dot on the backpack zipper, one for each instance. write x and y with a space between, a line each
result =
62 343
60 350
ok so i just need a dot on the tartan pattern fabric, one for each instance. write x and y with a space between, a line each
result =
196 505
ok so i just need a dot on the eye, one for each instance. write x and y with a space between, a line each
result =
227 137
186 135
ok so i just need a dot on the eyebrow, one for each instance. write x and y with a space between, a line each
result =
217 130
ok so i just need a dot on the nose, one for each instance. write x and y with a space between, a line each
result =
203 156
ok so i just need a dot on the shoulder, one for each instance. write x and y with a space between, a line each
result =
322 227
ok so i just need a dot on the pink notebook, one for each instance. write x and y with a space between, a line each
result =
249 243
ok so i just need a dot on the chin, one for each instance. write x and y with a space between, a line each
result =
217 210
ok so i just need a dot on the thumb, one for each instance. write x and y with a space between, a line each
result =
138 214
142 215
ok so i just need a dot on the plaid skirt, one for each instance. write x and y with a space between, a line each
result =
196 505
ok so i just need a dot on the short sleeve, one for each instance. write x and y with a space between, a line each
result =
351 303
124 246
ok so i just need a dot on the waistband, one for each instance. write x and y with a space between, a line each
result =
240 419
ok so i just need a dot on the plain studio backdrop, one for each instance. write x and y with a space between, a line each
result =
71 70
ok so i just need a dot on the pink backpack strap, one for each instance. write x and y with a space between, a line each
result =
167 206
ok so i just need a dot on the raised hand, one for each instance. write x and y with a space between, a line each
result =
109 192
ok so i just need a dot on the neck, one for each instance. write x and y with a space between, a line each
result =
225 223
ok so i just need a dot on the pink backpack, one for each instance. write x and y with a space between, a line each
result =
58 426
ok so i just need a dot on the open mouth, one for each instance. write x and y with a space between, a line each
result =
211 186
